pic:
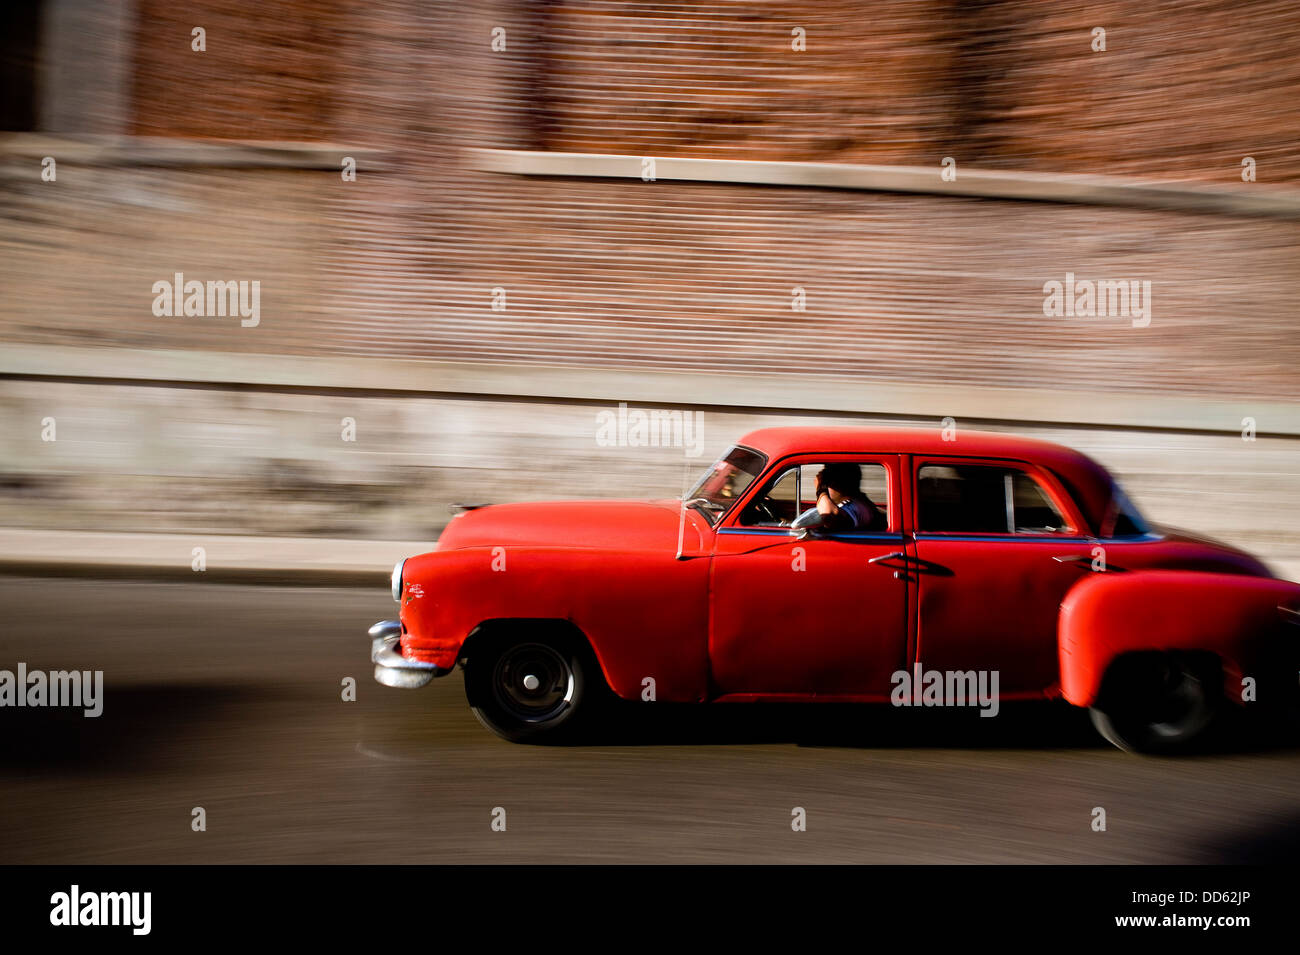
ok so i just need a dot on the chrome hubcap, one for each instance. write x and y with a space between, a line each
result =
1180 703
533 682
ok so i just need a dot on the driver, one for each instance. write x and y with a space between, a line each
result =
840 498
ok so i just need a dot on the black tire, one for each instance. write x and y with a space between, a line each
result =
1159 703
533 687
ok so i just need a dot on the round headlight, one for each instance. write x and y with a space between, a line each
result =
397 579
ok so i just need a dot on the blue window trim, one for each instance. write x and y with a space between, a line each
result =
1008 538
785 532
1037 538
935 536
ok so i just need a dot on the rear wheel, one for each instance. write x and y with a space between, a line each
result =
532 688
1160 703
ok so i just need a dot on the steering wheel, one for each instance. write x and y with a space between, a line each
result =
763 509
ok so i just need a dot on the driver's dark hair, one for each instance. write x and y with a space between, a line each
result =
843 476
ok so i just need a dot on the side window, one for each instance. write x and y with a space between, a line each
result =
777 506
984 499
795 490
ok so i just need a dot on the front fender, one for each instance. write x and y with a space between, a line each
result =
1236 617
644 613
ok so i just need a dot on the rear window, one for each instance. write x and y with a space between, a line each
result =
984 499
1125 519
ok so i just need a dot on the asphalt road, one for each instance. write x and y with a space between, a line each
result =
228 698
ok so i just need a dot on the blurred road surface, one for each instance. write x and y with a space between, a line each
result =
228 697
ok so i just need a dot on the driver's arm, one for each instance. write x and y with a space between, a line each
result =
835 520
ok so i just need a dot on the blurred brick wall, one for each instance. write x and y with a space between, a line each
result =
82 255
911 288
269 70
692 276
1183 89
699 276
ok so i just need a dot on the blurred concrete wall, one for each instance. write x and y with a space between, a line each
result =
292 462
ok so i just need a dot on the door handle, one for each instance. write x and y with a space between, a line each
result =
1080 560
904 573
896 555
915 565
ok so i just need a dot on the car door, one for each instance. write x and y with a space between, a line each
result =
819 616
998 543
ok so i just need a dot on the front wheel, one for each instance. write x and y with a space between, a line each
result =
530 690
1158 703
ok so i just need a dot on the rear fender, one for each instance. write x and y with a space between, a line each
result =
1239 619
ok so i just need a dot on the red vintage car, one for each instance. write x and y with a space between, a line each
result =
968 571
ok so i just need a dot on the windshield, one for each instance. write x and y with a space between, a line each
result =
724 482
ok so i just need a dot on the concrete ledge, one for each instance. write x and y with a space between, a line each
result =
1239 199
277 561
653 387
157 573
160 151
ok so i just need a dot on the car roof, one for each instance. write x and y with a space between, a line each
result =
1088 482
778 442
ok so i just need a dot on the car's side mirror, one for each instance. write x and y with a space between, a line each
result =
806 521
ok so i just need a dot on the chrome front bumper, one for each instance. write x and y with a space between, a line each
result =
393 669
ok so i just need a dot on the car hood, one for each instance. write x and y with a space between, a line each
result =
607 525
